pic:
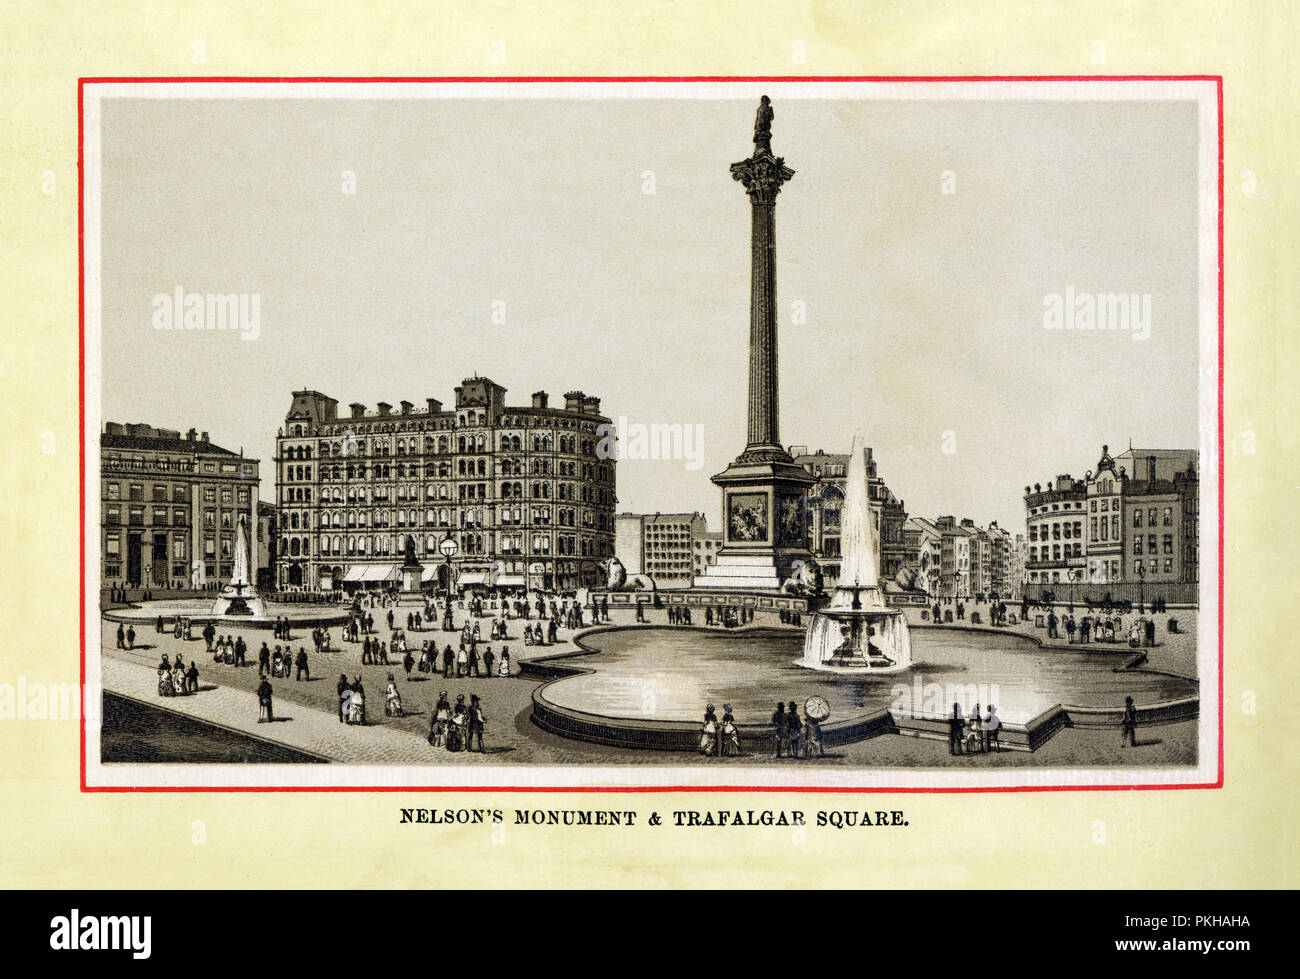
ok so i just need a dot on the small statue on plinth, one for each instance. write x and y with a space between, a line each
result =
763 128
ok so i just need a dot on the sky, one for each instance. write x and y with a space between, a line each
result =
602 245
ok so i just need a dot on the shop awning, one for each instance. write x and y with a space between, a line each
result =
355 572
380 572
428 574
471 578
510 580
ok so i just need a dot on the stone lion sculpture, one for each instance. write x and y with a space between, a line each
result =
617 578
907 578
806 578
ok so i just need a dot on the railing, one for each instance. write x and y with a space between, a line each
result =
1137 592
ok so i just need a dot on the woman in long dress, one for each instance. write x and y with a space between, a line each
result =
165 687
504 668
730 733
356 707
345 704
459 723
441 721
709 732
392 699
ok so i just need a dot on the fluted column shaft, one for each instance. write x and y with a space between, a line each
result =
763 400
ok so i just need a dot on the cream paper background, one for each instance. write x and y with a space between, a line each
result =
58 836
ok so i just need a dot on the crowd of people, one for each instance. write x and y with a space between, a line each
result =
1102 629
975 734
728 616
175 679
797 737
720 737
458 727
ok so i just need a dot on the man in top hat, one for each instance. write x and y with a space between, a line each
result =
779 730
477 721
1129 724
794 729
343 688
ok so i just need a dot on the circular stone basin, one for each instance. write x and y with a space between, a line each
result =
670 674
199 610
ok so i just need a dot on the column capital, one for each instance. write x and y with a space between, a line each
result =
762 176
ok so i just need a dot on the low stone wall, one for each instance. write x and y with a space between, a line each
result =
1167 712
701 598
302 619
656 735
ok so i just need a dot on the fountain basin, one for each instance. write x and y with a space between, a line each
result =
669 674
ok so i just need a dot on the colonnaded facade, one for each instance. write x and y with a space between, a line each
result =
526 493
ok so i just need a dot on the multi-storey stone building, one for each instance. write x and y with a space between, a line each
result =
1134 518
707 544
1054 524
955 557
924 541
525 492
170 506
664 546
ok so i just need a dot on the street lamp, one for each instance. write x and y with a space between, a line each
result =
1142 594
448 547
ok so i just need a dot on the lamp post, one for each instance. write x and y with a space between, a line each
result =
1142 594
448 547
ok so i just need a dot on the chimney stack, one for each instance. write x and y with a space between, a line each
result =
434 404
358 409
539 399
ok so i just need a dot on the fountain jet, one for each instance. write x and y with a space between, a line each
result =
239 597
857 631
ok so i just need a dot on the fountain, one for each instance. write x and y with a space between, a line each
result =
239 597
857 631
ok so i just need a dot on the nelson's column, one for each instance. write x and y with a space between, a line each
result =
762 490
